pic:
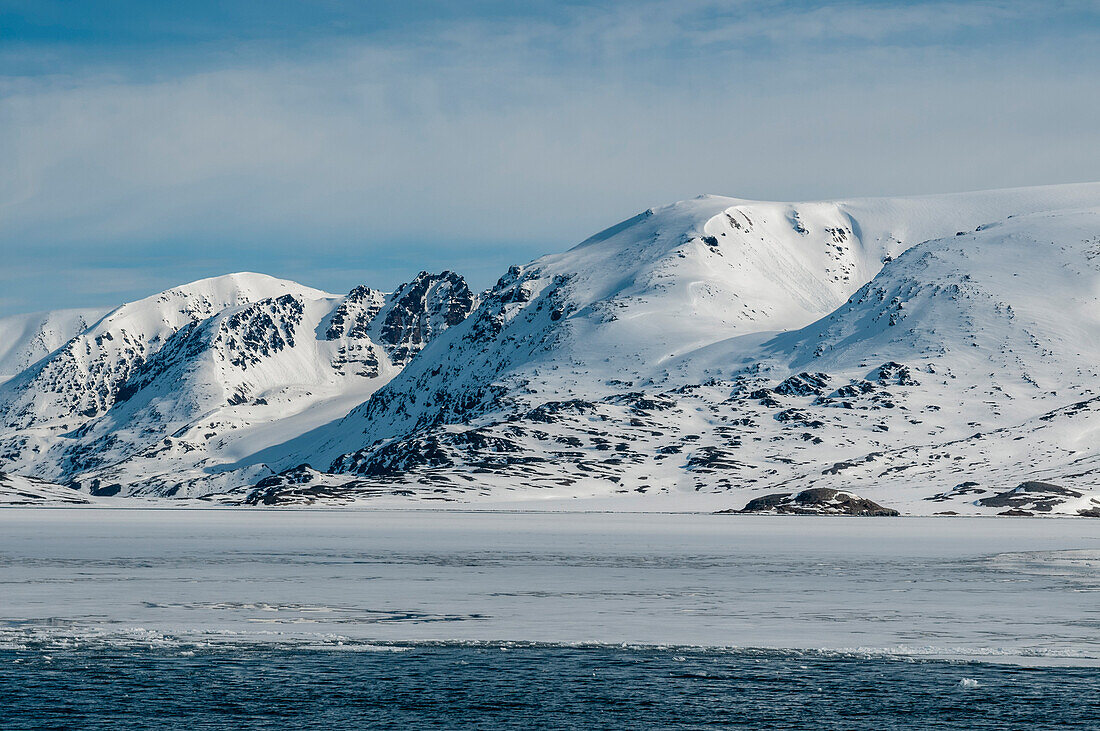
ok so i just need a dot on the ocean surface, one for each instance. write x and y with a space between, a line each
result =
216 619
553 687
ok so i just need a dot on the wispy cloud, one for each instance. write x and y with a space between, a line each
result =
484 140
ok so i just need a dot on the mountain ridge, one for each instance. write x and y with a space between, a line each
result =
156 396
710 350
687 311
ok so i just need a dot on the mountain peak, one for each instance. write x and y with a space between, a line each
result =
580 364
159 394
900 347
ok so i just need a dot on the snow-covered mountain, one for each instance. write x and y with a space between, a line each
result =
163 395
664 356
26 339
929 354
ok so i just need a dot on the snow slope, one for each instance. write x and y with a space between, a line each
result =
162 394
19 490
932 354
81 378
628 363
26 339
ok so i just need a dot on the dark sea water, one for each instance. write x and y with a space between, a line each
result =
492 686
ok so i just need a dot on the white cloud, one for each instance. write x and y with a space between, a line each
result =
538 133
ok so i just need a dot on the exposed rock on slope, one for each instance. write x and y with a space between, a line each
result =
18 490
928 354
816 501
421 310
1036 497
81 379
164 395
646 359
26 339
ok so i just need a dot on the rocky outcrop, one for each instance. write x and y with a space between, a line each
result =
143 402
17 490
420 310
83 379
353 316
1029 497
303 485
815 501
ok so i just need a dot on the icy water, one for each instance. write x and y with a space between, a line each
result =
302 619
456 687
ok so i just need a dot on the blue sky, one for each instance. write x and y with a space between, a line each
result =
144 144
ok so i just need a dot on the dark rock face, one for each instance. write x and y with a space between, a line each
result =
547 413
352 319
816 501
420 310
402 323
477 449
351 322
1040 497
399 457
766 503
258 331
300 475
303 485
357 358
963 488
100 490
893 373
804 384
276 490
243 339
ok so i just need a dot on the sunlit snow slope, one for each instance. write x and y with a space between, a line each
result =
26 339
163 395
931 354
647 360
